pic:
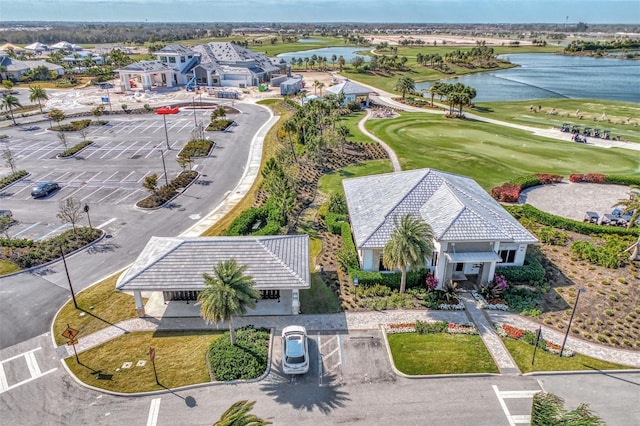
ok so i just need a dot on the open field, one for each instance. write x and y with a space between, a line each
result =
621 118
489 153
331 183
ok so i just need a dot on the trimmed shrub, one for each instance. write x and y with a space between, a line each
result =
334 222
427 327
167 192
531 271
546 179
244 361
389 279
242 224
549 219
219 124
506 193
196 148
622 180
75 149
576 177
526 181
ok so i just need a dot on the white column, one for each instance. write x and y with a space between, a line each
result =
146 81
137 295
295 302
169 77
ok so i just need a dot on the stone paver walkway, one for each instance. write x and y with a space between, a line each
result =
491 340
594 350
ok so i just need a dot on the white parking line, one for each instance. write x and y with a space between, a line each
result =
108 195
74 191
66 225
154 410
94 177
109 178
102 225
17 234
319 361
32 365
84 198
513 419
127 196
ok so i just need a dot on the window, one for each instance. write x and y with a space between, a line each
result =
270 294
508 256
163 59
172 60
434 258
182 59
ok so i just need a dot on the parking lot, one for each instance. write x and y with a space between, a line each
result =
339 358
109 174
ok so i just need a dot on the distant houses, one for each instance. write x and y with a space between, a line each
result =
14 69
215 64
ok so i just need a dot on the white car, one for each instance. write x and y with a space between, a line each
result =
295 350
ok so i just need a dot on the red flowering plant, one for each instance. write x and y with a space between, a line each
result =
512 332
432 282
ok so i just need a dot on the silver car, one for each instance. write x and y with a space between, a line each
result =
295 350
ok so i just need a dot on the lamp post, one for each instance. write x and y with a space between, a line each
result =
195 120
573 311
73 295
166 134
164 167
356 281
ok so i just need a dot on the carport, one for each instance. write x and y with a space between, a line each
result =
173 268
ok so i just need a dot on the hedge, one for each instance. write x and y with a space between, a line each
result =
243 224
532 270
334 222
75 149
8 180
348 248
544 218
20 242
389 279
622 180
196 148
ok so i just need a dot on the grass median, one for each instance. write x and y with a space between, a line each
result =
440 353
522 354
180 358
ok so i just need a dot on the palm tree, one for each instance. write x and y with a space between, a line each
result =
404 85
227 293
434 90
333 61
632 205
37 93
410 244
238 415
9 102
341 62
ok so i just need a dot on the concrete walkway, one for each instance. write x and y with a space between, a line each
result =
390 152
491 340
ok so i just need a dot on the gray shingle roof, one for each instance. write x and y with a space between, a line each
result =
176 49
232 54
274 262
456 208
348 87
146 66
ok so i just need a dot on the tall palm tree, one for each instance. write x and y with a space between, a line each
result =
227 293
333 61
238 415
632 205
9 102
434 90
37 93
405 84
410 244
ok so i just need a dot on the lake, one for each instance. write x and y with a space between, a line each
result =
542 76
348 53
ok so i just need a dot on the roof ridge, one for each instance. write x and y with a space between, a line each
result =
278 259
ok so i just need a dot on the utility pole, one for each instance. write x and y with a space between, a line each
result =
73 295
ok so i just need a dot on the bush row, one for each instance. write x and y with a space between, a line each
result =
196 148
610 255
75 149
219 124
270 217
348 255
590 177
531 271
167 192
509 192
622 180
21 242
389 279
8 180
73 126
544 218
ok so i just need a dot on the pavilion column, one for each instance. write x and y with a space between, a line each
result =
295 302
169 78
137 295
146 81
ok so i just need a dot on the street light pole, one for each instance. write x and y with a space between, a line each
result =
166 134
73 295
164 167
195 120
573 311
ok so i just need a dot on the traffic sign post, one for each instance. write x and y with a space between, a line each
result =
70 334
152 356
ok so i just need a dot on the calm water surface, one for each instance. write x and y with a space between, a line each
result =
542 76
348 53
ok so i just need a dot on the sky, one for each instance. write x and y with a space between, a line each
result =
383 11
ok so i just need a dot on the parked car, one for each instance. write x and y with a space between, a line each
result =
295 350
609 219
591 217
43 189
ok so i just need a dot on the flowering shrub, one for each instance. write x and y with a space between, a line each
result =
590 177
431 327
406 327
507 192
461 329
495 305
500 281
546 179
506 330
576 177
432 282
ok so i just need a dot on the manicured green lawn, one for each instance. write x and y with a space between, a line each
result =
180 361
441 353
351 122
319 299
522 352
331 183
621 118
101 305
8 267
489 153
